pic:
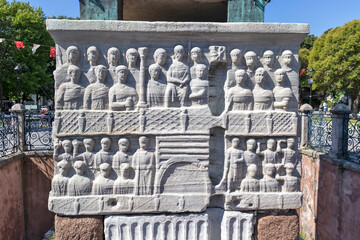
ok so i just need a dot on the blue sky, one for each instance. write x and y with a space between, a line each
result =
320 14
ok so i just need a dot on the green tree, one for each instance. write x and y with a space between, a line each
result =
21 22
336 60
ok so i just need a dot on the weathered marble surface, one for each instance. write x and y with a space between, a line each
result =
159 117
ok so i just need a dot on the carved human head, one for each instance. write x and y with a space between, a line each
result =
79 167
289 168
290 142
121 73
195 54
100 72
268 58
260 75
269 169
201 71
73 54
89 144
125 170
240 76
270 144
123 144
280 76
132 56
63 167
92 54
67 146
160 56
113 55
250 59
179 52
144 142
286 57
105 169
250 144
235 56
154 71
252 170
235 142
74 73
105 144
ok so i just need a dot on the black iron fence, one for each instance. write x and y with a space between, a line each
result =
320 131
38 128
8 133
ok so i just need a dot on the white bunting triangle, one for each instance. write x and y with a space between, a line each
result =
35 47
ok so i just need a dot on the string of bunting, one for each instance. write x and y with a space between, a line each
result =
19 45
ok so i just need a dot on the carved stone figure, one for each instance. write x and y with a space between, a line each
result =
199 86
70 94
155 89
160 57
287 62
122 96
282 94
96 94
60 181
79 184
113 57
103 156
123 184
251 61
289 154
67 146
92 57
268 60
236 58
178 77
121 156
233 167
88 156
269 154
263 98
102 183
73 56
143 163
239 98
291 183
250 156
132 56
250 183
196 57
269 183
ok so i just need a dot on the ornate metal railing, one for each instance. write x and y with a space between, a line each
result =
352 139
38 128
8 133
319 131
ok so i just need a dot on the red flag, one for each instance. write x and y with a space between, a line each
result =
52 52
302 71
19 44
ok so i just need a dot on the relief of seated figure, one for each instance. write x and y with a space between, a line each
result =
282 94
291 183
269 183
263 98
102 183
70 94
121 156
92 54
79 184
121 95
250 183
143 163
123 184
103 156
239 98
155 88
96 94
178 77
60 181
199 87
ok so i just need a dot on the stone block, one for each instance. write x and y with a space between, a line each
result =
279 226
89 227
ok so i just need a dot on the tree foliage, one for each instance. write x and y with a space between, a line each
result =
21 22
336 60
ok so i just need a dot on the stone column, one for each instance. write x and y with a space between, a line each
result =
340 114
143 51
20 110
305 110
